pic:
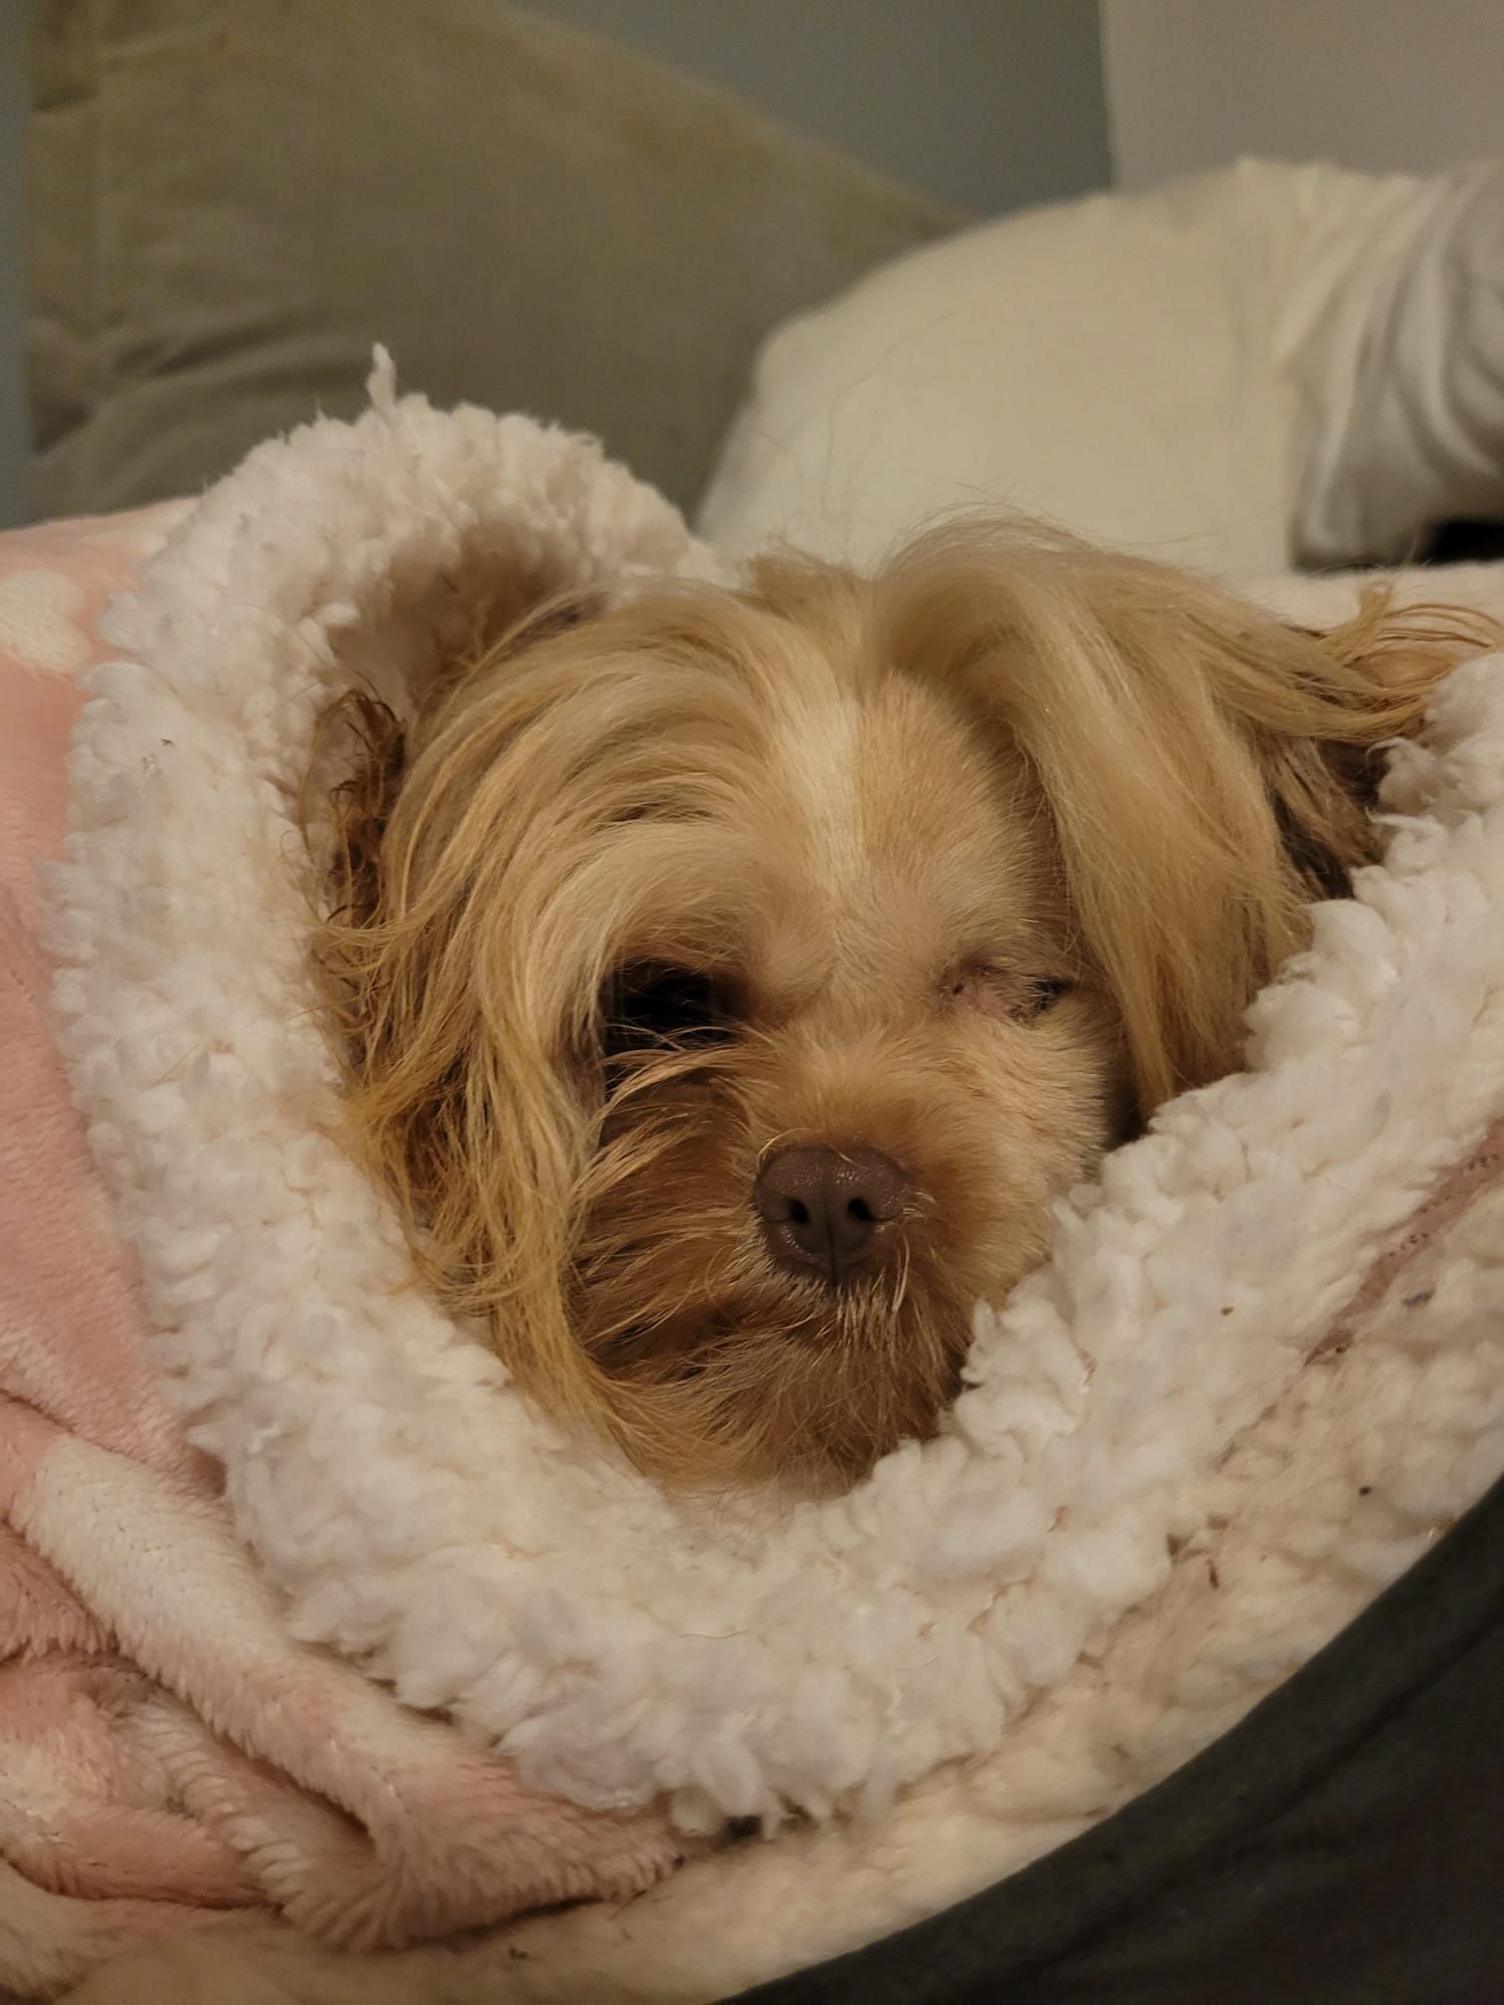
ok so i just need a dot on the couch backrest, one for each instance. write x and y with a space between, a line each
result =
231 200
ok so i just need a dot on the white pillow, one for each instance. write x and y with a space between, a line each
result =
1157 371
1422 438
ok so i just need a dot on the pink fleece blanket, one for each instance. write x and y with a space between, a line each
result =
167 1752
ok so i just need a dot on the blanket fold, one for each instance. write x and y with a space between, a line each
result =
167 1751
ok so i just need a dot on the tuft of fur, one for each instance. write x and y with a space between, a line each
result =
975 862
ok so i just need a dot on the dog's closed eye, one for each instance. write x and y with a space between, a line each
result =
647 1005
1003 992
1045 992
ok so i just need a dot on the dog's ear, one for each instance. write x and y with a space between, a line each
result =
1208 769
423 851
363 743
479 870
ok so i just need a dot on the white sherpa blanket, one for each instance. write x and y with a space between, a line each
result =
418 1516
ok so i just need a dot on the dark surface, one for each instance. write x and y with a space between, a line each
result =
1467 543
1344 1845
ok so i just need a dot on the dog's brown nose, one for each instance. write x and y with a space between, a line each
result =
824 1210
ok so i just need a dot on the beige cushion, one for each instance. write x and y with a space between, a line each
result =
231 200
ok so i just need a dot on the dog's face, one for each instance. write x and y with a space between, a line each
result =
729 983
841 1091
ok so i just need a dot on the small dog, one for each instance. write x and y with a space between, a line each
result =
727 983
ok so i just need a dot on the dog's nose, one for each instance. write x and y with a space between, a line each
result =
824 1210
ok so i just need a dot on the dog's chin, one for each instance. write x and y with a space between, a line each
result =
791 1383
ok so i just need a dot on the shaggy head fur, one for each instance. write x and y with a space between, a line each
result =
957 871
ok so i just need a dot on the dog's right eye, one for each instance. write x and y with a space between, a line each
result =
648 1006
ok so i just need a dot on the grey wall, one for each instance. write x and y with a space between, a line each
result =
986 104
12 117
1374 84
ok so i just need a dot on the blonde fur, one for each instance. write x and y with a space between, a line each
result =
975 862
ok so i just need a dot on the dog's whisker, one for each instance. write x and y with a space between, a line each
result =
901 1279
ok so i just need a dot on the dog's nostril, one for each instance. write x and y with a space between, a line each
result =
823 1210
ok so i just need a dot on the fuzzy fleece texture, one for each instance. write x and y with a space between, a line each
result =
168 1755
1168 1383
